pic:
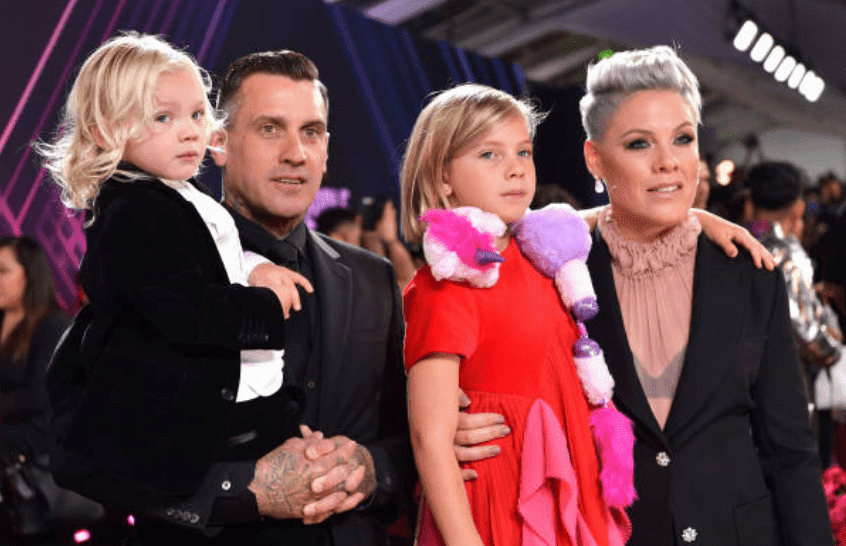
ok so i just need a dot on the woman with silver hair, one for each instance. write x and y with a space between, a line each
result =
699 344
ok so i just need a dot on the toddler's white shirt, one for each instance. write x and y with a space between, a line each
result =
261 369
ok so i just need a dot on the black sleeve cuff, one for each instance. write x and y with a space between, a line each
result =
234 502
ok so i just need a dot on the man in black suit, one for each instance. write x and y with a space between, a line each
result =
344 348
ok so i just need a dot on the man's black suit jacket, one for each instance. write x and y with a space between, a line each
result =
736 463
362 391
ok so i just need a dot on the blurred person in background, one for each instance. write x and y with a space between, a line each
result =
831 199
380 235
32 324
374 229
703 186
340 224
778 218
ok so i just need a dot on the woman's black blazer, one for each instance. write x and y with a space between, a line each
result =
736 462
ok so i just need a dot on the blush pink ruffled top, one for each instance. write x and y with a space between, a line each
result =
654 283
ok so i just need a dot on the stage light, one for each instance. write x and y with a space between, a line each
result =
796 76
812 86
774 58
784 69
746 35
724 171
815 92
782 60
83 535
762 47
807 82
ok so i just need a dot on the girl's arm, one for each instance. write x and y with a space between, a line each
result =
719 230
433 416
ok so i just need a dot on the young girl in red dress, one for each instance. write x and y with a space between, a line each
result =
506 340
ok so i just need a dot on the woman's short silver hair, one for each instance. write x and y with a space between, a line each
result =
613 79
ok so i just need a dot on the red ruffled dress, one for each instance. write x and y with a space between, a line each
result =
515 340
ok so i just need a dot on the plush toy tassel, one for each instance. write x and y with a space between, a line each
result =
615 440
597 382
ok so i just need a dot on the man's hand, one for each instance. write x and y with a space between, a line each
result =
474 429
284 478
283 282
344 487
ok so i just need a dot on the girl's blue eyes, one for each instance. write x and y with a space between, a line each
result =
162 118
490 155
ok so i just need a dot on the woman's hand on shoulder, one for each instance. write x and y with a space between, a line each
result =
727 235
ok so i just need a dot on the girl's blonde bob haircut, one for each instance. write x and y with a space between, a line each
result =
111 102
614 79
452 121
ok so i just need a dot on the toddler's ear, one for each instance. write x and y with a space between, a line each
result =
217 147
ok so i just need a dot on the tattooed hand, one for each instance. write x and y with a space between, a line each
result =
346 493
284 479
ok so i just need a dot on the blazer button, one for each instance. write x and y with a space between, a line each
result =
227 394
310 385
226 485
689 534
662 459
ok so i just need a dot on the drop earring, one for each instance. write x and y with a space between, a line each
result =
600 185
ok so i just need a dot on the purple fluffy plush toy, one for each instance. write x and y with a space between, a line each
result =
557 241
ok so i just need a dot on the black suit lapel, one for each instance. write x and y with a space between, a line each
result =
715 327
608 330
333 287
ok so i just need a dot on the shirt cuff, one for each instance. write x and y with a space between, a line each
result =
235 503
251 260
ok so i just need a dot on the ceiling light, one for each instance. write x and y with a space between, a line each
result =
762 47
815 90
807 82
811 86
796 76
745 35
784 69
774 58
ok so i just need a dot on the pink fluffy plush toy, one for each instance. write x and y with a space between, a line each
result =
458 245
